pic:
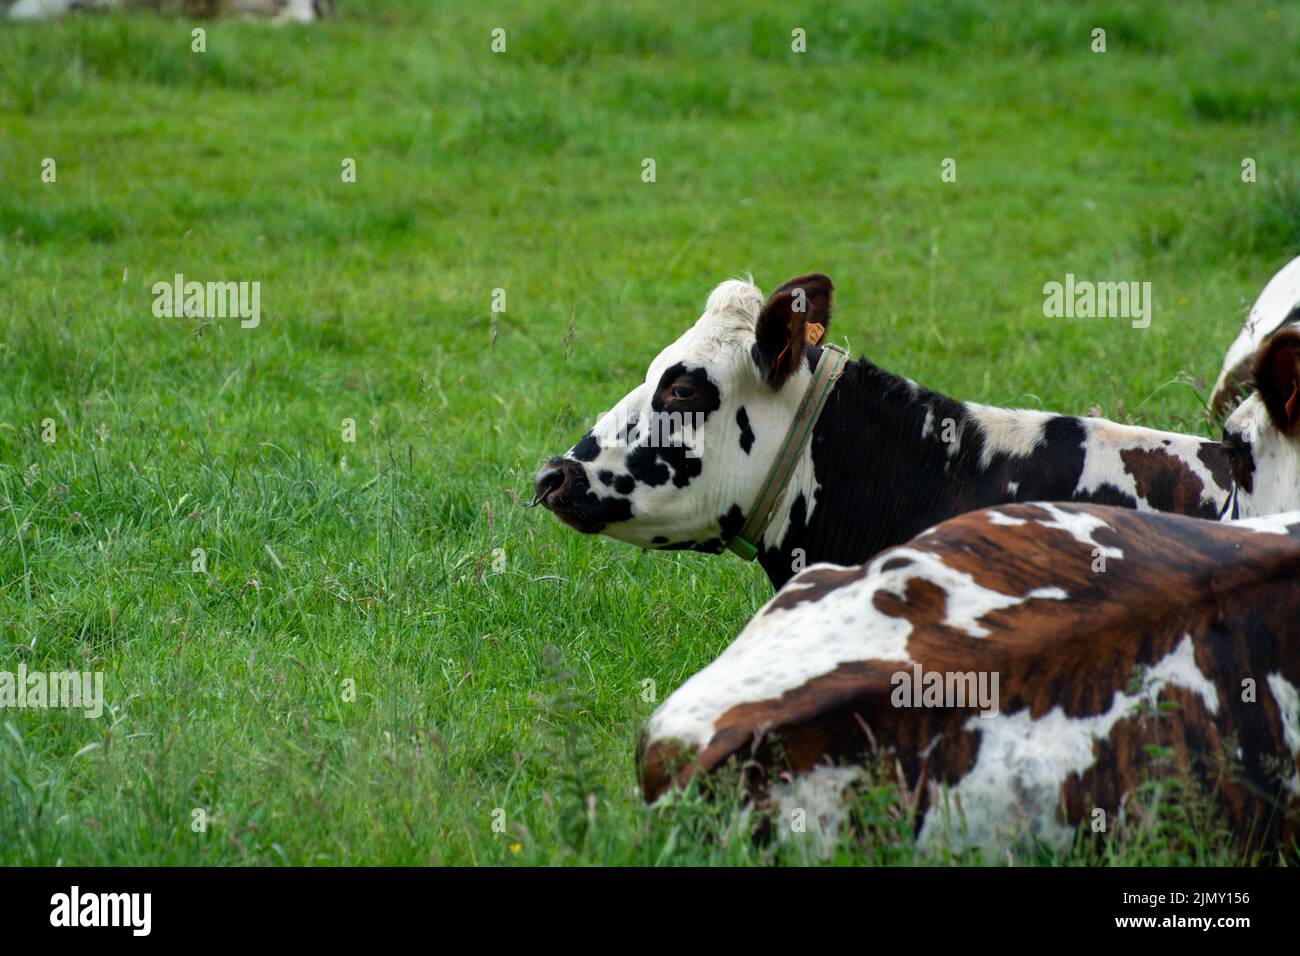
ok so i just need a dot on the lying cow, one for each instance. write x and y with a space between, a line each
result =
1025 657
1278 306
885 459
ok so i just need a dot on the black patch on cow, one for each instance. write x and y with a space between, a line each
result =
731 523
1241 460
729 526
1107 494
623 484
1218 458
658 539
587 511
657 461
707 398
799 511
643 465
587 449
746 433
881 483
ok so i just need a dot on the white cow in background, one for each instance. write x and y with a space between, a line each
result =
1277 305
279 11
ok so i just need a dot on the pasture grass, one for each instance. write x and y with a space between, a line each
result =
499 660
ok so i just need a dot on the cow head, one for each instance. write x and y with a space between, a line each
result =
1263 434
677 463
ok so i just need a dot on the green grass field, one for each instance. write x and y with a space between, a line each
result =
499 660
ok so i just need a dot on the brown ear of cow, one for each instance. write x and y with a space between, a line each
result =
796 315
1277 377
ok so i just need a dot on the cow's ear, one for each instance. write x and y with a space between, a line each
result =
1277 376
796 315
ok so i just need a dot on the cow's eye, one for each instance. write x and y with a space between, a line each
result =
682 393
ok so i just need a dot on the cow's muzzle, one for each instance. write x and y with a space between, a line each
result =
563 489
555 478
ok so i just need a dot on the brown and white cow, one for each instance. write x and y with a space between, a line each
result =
1025 658
887 459
1065 670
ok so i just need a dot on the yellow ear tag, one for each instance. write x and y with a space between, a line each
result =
814 333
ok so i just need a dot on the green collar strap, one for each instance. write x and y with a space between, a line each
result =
827 373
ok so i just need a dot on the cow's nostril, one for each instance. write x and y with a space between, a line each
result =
551 479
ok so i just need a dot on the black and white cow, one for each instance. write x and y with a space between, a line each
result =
887 459
1278 306
1026 659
